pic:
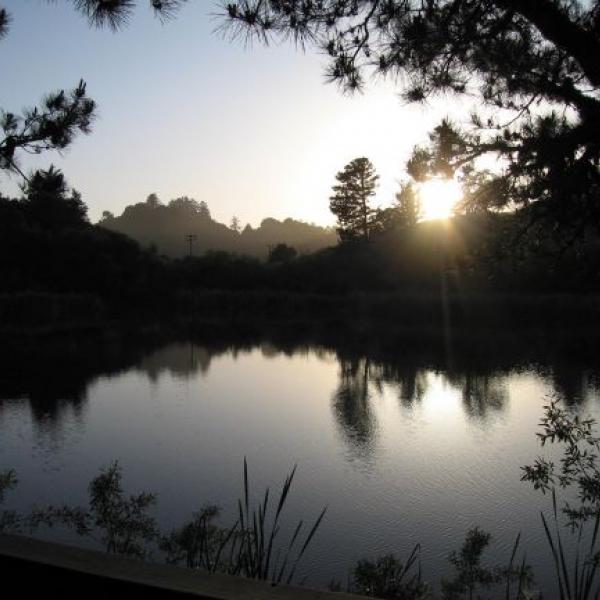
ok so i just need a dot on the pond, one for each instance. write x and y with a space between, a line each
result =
407 439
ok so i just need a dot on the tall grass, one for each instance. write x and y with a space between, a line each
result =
251 547
574 581
257 555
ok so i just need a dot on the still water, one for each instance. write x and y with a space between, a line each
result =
401 446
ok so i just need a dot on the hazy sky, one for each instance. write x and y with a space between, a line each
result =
254 132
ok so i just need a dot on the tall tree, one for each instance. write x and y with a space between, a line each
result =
532 62
350 201
408 208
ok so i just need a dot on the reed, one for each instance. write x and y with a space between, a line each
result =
574 581
251 547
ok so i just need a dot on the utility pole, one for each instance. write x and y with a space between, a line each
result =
191 238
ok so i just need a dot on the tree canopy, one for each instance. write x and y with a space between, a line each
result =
62 115
408 209
48 203
355 187
111 13
532 64
52 126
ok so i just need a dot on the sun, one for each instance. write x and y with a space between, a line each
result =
438 198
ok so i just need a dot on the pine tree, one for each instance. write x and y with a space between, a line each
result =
62 115
350 201
49 203
532 64
408 209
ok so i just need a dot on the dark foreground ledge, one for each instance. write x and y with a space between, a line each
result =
29 566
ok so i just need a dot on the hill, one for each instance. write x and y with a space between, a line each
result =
165 227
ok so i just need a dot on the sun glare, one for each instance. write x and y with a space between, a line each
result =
439 198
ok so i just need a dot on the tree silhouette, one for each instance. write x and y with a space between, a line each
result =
281 253
189 206
408 209
52 126
4 21
152 201
47 201
533 63
350 201
114 14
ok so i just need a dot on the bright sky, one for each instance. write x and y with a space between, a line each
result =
254 132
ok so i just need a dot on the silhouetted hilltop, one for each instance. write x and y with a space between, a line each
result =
167 227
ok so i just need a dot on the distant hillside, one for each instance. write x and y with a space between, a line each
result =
166 226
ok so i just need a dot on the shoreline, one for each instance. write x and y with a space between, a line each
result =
32 313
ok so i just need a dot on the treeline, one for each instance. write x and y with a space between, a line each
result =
185 226
47 246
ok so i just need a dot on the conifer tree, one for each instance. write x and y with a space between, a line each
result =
532 65
408 209
350 201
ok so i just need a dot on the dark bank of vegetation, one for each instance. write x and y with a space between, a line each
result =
251 547
528 228
57 267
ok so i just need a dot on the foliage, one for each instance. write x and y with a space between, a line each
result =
471 576
282 253
391 579
47 204
47 246
470 573
166 225
9 519
198 544
256 551
579 465
531 64
114 14
350 201
8 480
408 209
578 469
250 547
153 201
120 523
52 126
62 115
186 207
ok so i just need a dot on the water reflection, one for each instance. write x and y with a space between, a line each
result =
572 385
352 407
482 394
52 377
401 445
183 360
